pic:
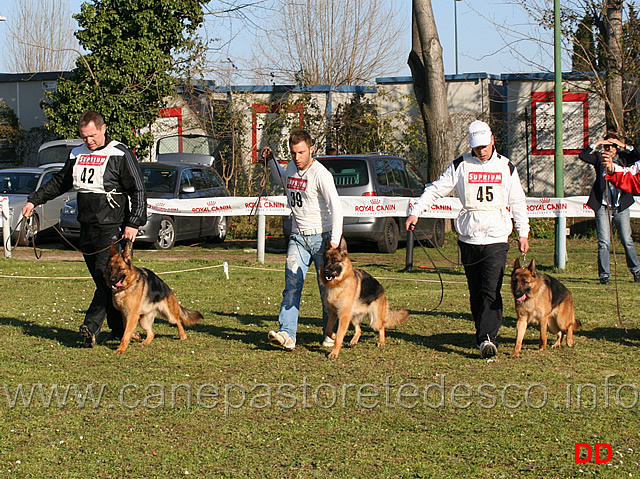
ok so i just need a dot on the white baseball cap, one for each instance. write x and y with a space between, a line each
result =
479 134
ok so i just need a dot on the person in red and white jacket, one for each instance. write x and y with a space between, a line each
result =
626 178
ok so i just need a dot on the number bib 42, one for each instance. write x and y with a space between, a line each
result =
88 173
484 190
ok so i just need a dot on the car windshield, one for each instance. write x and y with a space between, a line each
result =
159 180
347 172
54 154
18 183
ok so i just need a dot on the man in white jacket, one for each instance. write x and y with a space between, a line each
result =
487 184
317 222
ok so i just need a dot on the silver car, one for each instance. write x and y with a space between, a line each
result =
18 184
375 174
170 181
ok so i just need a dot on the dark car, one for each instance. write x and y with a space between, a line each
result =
169 181
17 184
375 174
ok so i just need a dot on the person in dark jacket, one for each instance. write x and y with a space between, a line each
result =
112 205
617 202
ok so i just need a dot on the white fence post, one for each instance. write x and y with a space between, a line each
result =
262 220
5 223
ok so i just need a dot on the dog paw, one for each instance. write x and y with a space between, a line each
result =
119 351
515 355
333 355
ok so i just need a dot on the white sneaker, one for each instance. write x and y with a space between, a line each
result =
487 349
282 339
328 342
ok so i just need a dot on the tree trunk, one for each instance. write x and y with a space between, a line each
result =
427 70
613 28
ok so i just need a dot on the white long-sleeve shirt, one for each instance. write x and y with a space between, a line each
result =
312 197
486 190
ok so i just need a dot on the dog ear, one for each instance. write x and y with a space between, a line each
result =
532 267
516 264
113 250
126 252
343 245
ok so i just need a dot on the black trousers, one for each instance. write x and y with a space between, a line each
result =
95 238
484 267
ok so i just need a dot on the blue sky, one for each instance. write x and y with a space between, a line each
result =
481 46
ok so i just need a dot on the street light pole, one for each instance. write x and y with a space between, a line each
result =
455 29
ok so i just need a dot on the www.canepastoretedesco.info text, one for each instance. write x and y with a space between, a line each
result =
439 394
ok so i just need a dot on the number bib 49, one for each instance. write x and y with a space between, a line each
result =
88 173
484 190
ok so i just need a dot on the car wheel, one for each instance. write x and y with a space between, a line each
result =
28 230
220 227
437 236
389 241
166 234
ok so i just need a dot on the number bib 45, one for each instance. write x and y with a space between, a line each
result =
88 173
484 190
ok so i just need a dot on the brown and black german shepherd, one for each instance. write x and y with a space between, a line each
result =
351 294
542 299
140 295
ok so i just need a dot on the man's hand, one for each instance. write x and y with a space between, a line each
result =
411 222
130 233
266 154
607 161
523 244
27 210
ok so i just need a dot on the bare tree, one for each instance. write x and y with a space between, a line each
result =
330 42
427 69
40 36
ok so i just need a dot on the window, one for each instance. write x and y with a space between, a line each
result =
415 180
395 173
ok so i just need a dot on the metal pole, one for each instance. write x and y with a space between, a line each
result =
261 234
561 221
408 262
455 28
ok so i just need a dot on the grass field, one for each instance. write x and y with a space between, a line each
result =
226 403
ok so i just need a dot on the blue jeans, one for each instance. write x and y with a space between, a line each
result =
621 220
301 251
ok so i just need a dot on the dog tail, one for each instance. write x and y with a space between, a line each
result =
396 317
189 317
578 324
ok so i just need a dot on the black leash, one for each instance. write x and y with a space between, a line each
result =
38 254
456 263
615 259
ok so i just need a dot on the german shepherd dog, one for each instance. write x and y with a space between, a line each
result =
542 299
140 295
350 295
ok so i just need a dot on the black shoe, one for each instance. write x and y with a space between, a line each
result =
605 280
636 276
88 336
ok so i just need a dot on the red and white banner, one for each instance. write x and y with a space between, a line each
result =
448 207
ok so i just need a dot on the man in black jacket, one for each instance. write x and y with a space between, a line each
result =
618 202
111 206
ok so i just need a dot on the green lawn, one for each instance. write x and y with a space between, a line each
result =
226 403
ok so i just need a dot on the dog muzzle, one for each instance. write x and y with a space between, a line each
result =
522 298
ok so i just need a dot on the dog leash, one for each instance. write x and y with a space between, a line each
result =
38 254
615 259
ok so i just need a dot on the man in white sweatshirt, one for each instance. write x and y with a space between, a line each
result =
317 221
487 184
